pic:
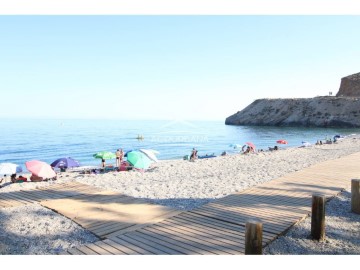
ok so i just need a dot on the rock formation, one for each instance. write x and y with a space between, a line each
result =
328 111
350 86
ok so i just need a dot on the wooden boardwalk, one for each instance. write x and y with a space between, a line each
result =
219 227
101 212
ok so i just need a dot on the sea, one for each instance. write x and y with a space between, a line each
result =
48 140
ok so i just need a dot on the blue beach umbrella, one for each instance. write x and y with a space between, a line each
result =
66 162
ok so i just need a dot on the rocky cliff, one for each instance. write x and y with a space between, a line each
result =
310 112
340 111
350 86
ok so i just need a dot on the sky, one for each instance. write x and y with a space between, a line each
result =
168 67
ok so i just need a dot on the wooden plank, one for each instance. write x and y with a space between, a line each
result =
98 249
239 220
120 248
206 243
136 249
11 196
87 251
174 244
163 249
142 245
29 196
217 234
109 248
149 223
220 243
75 251
224 226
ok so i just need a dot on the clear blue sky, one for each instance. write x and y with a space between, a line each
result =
168 67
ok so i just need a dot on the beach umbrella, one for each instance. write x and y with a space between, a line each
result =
282 142
138 160
154 151
128 152
40 169
104 155
251 145
9 168
150 154
65 163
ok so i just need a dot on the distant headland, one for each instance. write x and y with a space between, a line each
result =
342 110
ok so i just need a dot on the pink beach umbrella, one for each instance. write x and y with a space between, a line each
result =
40 169
251 145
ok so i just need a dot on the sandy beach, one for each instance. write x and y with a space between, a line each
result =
179 184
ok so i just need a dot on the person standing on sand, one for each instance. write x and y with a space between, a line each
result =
118 156
103 163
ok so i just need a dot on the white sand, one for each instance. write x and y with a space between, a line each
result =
186 185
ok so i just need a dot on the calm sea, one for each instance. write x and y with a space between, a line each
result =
47 140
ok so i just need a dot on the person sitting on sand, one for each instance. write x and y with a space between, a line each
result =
223 153
35 178
193 155
276 148
13 178
3 178
248 149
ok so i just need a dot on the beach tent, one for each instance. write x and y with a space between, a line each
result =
9 168
138 159
40 169
306 144
150 154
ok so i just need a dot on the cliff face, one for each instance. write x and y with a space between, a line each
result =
350 86
309 112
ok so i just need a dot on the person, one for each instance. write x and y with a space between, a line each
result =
276 148
317 142
223 153
193 155
3 178
103 163
321 142
118 156
35 178
248 149
121 155
13 178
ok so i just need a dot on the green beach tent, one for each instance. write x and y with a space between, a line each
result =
138 160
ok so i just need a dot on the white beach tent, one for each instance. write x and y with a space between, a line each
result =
150 154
